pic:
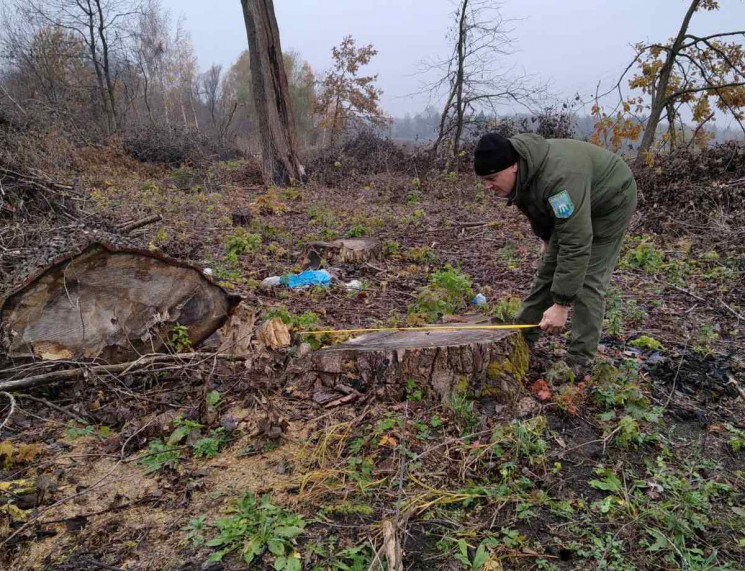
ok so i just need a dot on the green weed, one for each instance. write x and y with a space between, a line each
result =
304 321
703 341
240 242
421 255
210 447
256 529
736 439
357 231
448 291
160 456
331 556
645 256
647 343
179 338
391 249
506 309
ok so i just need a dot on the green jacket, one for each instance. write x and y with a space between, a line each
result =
574 189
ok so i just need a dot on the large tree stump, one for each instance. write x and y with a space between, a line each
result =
346 251
110 303
487 363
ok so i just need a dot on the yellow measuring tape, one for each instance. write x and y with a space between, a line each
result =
426 328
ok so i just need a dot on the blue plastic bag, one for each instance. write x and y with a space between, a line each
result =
309 278
479 300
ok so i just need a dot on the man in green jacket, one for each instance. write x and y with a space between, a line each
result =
579 199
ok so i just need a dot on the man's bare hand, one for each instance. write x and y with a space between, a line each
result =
544 245
555 318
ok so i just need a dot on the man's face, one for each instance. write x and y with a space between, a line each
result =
502 182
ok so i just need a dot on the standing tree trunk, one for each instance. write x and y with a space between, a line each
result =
660 98
106 65
281 163
91 43
460 106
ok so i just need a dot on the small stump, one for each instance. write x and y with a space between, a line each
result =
338 252
482 362
242 218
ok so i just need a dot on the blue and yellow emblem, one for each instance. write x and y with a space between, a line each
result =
562 204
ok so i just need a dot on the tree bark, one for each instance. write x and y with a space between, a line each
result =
660 98
91 43
106 65
281 164
459 104
442 363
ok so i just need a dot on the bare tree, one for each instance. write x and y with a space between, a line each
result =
473 76
281 163
101 26
218 101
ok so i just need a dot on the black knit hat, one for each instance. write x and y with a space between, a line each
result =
493 154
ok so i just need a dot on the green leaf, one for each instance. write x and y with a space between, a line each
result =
660 541
463 548
217 541
480 558
288 532
213 397
606 504
280 563
610 483
218 555
276 546
178 435
293 562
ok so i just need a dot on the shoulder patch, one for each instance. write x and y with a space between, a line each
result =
562 204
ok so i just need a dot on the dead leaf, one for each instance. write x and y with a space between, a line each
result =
27 452
540 390
387 441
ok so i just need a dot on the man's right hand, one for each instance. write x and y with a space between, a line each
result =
544 245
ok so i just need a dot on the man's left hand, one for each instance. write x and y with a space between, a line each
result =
555 318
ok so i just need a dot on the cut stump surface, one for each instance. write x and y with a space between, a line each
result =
481 362
110 303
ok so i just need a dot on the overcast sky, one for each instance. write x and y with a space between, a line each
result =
573 44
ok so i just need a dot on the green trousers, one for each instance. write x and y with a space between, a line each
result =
589 305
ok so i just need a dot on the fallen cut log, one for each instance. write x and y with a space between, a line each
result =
111 303
488 363
127 228
346 251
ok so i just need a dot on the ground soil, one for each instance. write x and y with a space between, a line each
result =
410 460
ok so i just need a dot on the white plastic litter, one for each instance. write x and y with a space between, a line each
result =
207 271
270 282
354 284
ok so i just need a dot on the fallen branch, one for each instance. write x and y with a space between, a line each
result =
53 406
343 400
12 409
731 310
129 367
126 228
392 548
